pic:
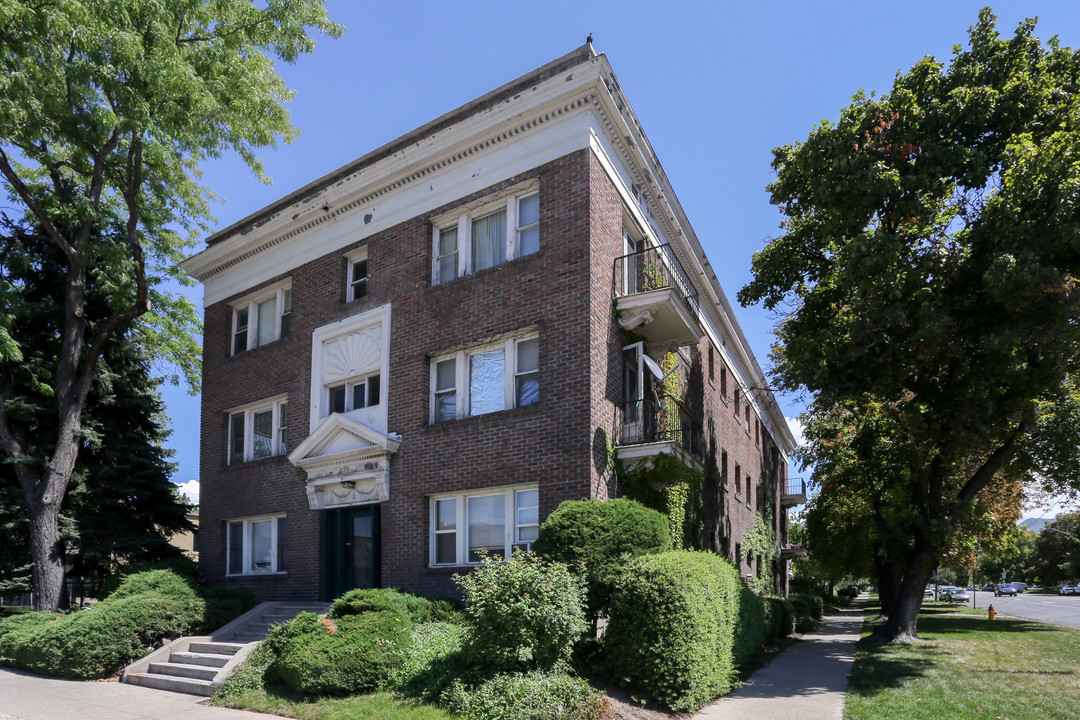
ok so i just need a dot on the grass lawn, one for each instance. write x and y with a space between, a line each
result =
969 667
279 700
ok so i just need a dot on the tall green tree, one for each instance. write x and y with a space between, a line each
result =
107 108
1057 550
928 263
121 505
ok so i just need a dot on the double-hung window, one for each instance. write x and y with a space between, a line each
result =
258 431
357 273
354 394
467 526
486 234
262 318
256 546
486 379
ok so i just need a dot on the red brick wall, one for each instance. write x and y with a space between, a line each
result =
548 443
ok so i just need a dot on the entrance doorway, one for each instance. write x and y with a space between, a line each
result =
350 550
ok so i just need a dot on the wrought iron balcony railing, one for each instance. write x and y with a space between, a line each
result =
654 268
646 421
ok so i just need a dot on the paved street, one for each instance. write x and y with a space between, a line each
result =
1061 610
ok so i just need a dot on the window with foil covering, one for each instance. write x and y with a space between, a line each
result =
485 379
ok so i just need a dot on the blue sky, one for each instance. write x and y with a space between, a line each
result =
716 86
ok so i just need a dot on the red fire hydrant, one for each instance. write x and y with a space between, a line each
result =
991 612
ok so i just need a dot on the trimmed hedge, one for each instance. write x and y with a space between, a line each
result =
603 535
419 609
144 609
523 614
780 617
672 627
355 653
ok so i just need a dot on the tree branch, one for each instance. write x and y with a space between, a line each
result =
24 194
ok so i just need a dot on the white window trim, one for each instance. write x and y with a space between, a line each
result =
251 304
510 526
461 218
461 374
349 384
245 555
358 255
249 411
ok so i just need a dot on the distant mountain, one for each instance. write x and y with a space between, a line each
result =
1033 524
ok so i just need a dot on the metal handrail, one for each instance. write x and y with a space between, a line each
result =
654 268
646 421
796 486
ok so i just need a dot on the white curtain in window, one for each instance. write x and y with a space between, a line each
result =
487 385
262 440
260 546
267 321
489 240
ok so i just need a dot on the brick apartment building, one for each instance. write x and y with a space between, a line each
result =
418 356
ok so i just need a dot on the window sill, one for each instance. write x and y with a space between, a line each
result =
498 415
253 462
486 271
248 576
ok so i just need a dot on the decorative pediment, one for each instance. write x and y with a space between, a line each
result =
347 463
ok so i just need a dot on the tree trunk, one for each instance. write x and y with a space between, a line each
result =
48 582
901 625
890 576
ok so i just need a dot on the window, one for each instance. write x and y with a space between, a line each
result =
256 546
258 431
736 403
723 384
353 395
466 526
746 423
723 466
749 490
738 482
712 367
486 235
486 379
262 318
358 274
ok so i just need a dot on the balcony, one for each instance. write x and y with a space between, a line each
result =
648 429
655 298
794 494
790 551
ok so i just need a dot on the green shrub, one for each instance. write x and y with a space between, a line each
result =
523 614
181 566
523 696
805 624
779 617
166 583
751 631
223 605
811 606
603 535
433 661
355 653
99 641
672 627
419 609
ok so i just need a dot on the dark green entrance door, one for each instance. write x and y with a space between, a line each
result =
351 550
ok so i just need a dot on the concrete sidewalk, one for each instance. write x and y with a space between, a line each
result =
807 681
24 696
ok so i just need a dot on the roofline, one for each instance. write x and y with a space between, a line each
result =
577 56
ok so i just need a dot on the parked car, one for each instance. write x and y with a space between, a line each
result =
1066 590
1020 586
958 595
929 592
989 586
1005 589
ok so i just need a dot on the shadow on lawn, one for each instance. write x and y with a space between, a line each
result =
932 623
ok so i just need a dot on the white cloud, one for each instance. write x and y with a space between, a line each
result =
190 490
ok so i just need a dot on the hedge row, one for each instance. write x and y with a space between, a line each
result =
99 641
682 622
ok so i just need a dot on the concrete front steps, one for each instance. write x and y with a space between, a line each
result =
199 665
